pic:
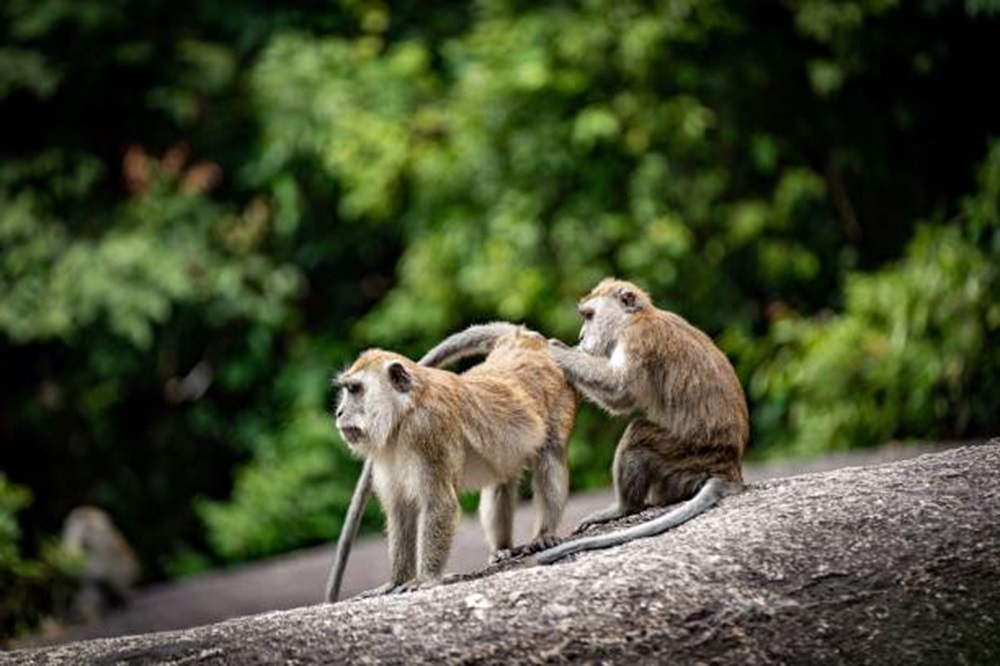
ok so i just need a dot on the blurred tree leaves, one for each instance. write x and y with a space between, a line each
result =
145 290
914 352
348 106
32 586
163 247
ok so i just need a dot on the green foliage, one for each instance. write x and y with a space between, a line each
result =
301 477
562 158
143 294
27 70
28 586
913 354
163 249
345 104
13 498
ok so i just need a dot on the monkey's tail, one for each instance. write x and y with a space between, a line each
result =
349 531
473 341
706 497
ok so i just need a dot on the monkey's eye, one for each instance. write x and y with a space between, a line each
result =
354 388
586 312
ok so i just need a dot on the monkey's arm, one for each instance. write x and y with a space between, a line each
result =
438 521
401 532
402 519
596 378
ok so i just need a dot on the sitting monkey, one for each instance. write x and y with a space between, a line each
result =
109 565
691 421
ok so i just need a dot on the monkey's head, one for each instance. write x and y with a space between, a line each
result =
86 526
375 394
605 310
90 534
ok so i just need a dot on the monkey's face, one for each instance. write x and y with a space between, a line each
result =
374 397
602 320
605 313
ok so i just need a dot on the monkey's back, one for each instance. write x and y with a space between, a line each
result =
688 388
526 359
516 397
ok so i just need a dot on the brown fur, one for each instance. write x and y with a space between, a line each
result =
692 423
431 433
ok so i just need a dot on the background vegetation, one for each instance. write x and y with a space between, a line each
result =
208 207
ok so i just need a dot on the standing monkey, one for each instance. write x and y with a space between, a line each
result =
691 427
479 339
429 433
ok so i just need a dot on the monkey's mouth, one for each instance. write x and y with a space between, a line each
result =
352 434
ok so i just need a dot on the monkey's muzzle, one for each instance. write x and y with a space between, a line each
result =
352 434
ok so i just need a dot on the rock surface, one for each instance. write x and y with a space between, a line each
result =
892 564
296 579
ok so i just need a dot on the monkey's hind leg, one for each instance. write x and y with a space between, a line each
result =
633 472
549 489
707 496
496 514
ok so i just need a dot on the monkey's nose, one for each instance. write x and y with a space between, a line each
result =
340 411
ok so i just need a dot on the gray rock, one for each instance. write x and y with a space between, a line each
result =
892 564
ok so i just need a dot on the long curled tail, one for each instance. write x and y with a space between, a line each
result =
708 496
477 340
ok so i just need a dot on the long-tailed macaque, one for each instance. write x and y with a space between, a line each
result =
690 424
429 433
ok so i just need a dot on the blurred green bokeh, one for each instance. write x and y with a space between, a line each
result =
207 208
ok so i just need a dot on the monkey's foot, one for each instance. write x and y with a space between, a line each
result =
537 545
388 588
416 584
502 555
598 518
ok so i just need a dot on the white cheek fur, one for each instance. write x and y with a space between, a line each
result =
618 359
384 415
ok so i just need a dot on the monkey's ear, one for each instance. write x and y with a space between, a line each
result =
400 377
627 298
